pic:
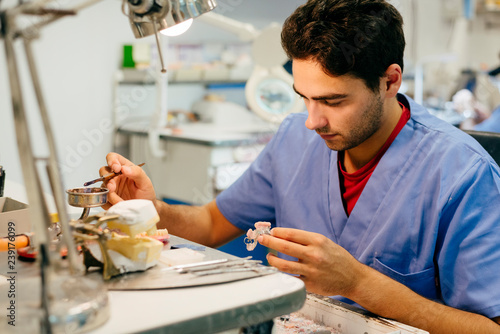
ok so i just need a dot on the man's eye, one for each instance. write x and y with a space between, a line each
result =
332 104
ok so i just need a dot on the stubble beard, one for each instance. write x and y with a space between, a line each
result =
367 124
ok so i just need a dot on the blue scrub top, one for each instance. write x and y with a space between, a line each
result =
428 217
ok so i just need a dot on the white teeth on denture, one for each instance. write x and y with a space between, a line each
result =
252 235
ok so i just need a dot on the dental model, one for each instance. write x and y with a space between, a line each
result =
136 216
252 235
136 244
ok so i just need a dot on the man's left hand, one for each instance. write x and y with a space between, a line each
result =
325 267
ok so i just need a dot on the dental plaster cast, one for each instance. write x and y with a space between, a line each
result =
252 235
136 216
130 254
141 246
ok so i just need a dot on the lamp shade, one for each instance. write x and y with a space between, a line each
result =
144 14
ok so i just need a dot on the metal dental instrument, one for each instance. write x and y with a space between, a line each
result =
229 266
106 177
255 268
182 268
222 266
190 265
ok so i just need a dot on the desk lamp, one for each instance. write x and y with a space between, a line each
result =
62 299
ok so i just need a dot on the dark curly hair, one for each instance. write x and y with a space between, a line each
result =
361 38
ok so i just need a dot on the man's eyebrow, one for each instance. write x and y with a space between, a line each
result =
332 96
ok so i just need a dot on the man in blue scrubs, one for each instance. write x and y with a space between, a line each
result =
373 201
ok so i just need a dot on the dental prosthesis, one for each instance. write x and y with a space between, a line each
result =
135 243
252 235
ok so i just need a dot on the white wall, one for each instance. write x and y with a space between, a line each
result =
77 57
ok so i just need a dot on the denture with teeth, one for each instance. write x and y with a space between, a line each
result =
252 235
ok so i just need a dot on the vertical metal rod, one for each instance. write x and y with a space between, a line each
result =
45 325
52 168
34 193
85 214
38 211
158 44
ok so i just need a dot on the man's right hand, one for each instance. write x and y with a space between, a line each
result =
133 183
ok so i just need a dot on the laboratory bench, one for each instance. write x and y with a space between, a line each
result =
158 303
224 303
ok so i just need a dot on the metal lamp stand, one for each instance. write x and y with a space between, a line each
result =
58 281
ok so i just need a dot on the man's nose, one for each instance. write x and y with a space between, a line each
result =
315 119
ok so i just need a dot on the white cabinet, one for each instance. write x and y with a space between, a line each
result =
195 170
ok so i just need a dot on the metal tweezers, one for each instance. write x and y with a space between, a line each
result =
254 268
222 266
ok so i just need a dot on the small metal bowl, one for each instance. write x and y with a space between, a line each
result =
89 197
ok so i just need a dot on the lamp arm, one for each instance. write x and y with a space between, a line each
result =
27 7
244 31
36 7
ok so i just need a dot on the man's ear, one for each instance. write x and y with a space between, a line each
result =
391 81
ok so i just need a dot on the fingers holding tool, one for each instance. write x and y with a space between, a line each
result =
115 162
124 180
123 185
